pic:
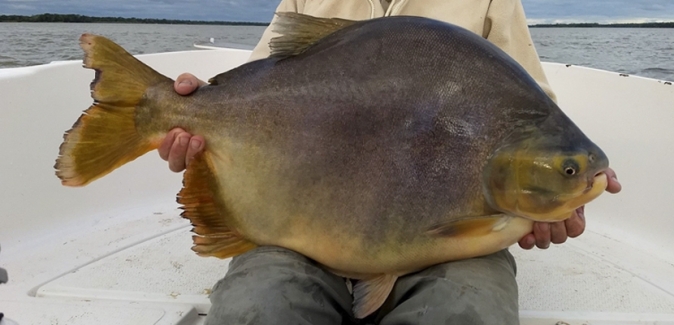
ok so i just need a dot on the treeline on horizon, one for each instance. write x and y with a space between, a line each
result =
633 25
72 18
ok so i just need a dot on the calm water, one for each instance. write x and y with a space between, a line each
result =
23 44
645 52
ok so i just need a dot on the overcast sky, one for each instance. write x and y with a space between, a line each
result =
538 11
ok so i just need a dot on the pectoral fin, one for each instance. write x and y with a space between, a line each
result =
473 226
370 294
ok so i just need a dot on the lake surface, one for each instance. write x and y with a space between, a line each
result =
647 52
23 44
640 51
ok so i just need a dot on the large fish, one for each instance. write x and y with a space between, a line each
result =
377 148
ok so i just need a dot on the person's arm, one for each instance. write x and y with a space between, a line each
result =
506 27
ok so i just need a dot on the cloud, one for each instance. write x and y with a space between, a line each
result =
539 11
232 10
262 10
21 7
653 7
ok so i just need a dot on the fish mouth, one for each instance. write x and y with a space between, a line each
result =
595 186
597 183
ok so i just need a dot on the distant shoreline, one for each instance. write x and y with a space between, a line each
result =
72 18
613 25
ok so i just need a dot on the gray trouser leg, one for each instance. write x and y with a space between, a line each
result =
473 291
272 285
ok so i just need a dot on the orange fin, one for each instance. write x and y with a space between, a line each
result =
105 136
370 294
210 217
473 226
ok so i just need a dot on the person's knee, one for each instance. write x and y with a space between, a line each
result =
270 284
262 273
268 256
473 291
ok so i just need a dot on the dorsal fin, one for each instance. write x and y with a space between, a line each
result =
298 32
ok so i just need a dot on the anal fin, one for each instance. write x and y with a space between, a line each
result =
370 294
473 226
210 217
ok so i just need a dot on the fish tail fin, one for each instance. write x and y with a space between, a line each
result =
105 136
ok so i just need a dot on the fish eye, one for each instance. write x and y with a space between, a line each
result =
570 167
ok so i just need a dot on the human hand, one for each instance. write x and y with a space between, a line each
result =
179 147
187 83
557 232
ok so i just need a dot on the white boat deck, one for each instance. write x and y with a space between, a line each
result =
117 252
